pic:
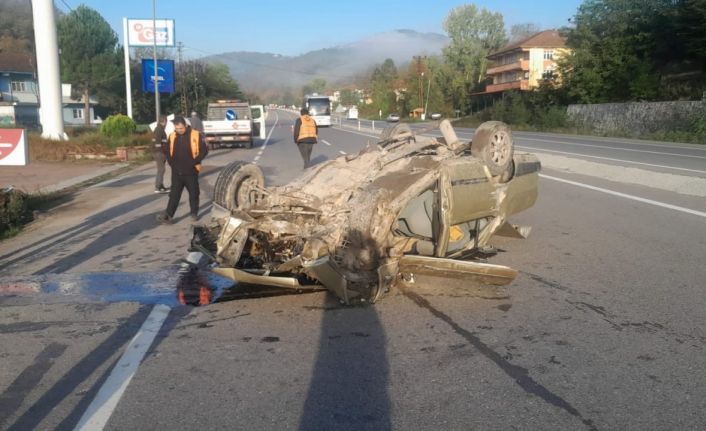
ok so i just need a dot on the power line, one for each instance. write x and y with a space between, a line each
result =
67 5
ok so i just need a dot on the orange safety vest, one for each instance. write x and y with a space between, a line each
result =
195 140
307 128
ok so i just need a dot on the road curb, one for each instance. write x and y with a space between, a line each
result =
71 182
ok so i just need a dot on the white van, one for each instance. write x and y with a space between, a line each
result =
352 113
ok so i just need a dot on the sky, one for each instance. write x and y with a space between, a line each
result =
295 27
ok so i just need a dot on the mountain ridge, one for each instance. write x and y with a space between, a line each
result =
342 64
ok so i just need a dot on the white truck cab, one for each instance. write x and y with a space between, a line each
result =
234 122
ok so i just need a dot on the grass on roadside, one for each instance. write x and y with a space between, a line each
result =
87 142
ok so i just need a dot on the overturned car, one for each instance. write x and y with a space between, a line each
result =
407 205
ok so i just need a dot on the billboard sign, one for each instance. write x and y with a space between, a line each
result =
145 32
165 75
13 147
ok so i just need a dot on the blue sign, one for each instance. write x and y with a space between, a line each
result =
230 115
165 75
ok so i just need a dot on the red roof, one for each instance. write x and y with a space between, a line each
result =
543 39
16 62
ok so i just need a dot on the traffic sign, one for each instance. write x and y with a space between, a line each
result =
230 115
13 147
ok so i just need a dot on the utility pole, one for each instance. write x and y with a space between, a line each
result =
154 57
48 75
180 48
180 68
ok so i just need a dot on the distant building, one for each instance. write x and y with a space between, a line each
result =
20 99
73 109
522 65
19 92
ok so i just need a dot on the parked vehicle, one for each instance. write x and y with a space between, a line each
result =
352 113
435 116
410 206
234 122
393 118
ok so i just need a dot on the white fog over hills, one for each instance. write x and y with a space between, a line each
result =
259 72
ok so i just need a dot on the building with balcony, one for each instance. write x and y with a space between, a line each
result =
19 92
522 65
19 95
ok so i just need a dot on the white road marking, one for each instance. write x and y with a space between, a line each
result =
342 152
267 141
615 148
96 416
356 132
611 159
627 196
326 142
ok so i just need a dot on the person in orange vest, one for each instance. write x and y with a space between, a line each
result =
186 148
305 134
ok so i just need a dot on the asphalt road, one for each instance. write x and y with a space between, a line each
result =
603 329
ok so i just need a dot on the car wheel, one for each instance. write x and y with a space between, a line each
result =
492 143
237 185
395 133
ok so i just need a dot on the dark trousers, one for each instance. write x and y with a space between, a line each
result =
191 182
160 159
305 151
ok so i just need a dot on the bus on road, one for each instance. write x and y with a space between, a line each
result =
319 108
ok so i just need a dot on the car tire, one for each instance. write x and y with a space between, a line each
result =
492 143
396 132
236 183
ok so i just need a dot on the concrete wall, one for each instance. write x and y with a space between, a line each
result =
637 117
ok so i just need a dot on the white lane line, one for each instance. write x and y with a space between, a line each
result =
626 196
540 150
267 141
103 405
356 132
615 148
342 152
326 142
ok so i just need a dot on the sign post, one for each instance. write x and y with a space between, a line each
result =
165 74
14 150
146 33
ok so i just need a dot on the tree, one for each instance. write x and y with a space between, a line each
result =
349 97
197 84
474 35
316 85
636 50
383 86
16 33
90 58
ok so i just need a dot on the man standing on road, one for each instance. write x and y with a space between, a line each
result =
305 133
159 153
186 149
195 121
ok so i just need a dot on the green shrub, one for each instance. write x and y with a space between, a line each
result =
13 209
117 126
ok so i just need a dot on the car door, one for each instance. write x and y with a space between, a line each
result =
258 120
466 194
